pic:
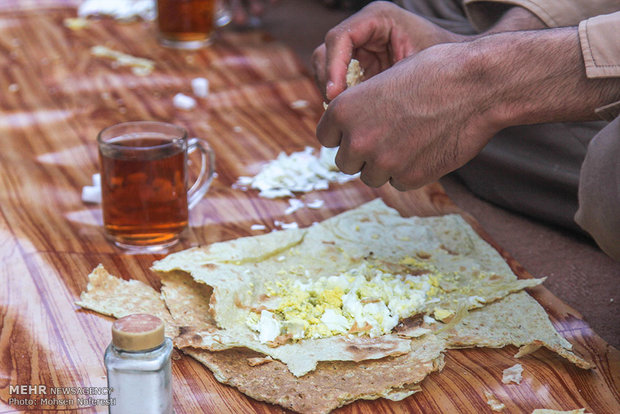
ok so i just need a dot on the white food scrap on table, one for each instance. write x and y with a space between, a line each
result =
299 172
493 402
286 226
183 102
92 193
200 87
139 66
294 205
75 23
513 374
119 9
299 104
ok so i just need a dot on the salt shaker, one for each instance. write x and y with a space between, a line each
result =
138 366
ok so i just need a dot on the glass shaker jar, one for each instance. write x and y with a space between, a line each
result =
139 367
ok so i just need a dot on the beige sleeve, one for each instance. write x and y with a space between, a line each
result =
554 13
599 190
600 45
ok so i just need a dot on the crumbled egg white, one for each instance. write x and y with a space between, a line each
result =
200 87
365 300
299 104
268 327
286 226
299 172
184 102
294 205
92 194
316 204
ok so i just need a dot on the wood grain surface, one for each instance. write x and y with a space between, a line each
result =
55 97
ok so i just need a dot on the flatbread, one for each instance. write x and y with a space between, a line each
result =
209 291
372 236
329 386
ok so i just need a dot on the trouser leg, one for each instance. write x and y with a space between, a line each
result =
448 14
533 169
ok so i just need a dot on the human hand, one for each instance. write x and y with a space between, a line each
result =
412 123
432 112
379 35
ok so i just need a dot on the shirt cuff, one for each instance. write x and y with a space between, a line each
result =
600 45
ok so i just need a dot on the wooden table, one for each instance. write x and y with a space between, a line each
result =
54 99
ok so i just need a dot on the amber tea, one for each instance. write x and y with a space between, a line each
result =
145 197
186 24
144 192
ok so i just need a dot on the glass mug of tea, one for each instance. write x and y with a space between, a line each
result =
144 183
186 24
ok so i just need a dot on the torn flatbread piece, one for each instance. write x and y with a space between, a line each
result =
516 320
513 374
112 296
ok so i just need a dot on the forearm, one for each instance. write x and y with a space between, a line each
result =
536 77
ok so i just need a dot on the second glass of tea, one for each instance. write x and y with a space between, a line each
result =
186 24
144 183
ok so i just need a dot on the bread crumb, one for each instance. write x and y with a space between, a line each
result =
493 402
140 66
75 23
254 362
513 374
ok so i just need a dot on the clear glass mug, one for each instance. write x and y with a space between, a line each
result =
186 24
144 183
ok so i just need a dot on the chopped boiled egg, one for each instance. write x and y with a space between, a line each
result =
364 300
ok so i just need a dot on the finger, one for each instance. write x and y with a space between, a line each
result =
342 43
318 66
339 49
373 177
347 161
328 132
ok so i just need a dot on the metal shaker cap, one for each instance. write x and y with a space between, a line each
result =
138 332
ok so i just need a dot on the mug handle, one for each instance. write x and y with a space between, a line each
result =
207 170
